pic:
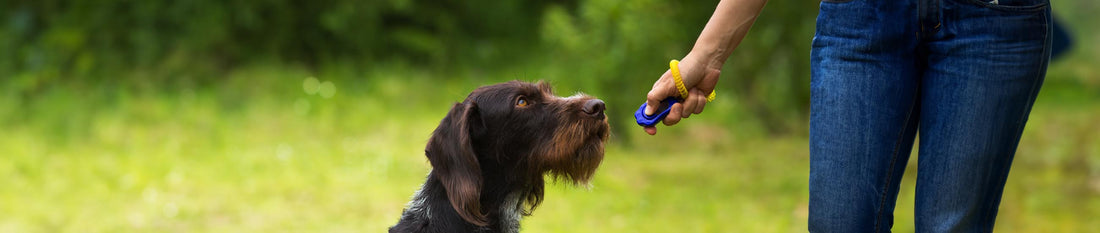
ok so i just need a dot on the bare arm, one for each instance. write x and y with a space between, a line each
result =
701 67
725 29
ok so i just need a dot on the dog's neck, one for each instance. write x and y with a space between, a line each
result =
431 211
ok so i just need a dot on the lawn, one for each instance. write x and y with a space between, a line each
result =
290 155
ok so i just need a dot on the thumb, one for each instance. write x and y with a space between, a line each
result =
662 89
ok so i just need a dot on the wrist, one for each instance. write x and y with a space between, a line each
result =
711 58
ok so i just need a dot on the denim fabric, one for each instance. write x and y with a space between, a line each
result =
962 73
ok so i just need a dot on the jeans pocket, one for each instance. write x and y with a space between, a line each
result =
836 1
1013 5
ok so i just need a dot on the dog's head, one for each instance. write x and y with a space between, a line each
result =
524 128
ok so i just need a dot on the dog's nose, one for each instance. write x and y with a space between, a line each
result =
594 107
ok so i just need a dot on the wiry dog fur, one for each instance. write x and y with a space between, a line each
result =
491 153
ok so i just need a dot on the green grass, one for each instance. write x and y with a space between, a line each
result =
268 157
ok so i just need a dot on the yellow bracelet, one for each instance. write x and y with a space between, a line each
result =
674 66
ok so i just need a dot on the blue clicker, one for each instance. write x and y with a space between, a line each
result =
662 111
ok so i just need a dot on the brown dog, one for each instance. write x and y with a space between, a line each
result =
490 153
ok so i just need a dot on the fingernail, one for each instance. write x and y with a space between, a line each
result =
648 110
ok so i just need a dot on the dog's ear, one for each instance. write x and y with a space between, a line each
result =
454 162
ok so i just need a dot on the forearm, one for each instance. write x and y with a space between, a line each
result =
725 29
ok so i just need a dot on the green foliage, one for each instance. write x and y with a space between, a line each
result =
198 41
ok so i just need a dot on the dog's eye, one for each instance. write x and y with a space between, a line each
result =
521 101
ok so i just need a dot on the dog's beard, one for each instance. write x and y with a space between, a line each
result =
580 170
580 163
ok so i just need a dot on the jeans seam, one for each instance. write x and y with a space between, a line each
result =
992 208
893 160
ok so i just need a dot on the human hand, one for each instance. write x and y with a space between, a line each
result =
699 78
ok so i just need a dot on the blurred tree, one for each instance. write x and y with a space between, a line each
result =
77 38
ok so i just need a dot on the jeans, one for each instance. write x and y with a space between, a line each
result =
962 73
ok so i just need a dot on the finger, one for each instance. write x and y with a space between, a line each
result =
661 90
699 107
685 113
651 130
689 105
699 99
673 116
